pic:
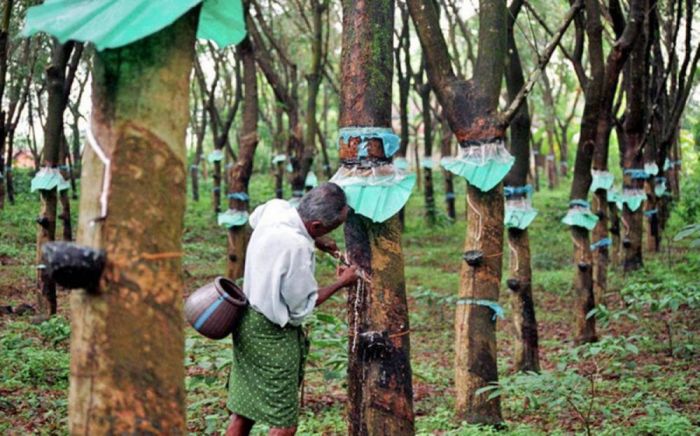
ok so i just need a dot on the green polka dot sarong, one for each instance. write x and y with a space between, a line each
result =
267 370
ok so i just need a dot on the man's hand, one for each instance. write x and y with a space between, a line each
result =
347 275
324 243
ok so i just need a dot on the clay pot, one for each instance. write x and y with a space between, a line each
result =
214 310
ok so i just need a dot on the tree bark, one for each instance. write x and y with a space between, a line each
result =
240 173
526 353
633 152
470 108
446 151
127 344
380 392
53 137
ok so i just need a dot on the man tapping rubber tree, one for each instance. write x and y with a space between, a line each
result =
269 346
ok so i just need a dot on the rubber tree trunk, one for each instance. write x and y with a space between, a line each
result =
403 78
428 191
583 278
127 344
380 392
53 137
526 353
279 149
216 189
4 121
470 108
242 170
198 152
634 128
446 151
313 84
63 195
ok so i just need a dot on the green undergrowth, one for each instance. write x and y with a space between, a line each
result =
640 378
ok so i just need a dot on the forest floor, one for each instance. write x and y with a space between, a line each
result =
640 378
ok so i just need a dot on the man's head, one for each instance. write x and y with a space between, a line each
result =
323 209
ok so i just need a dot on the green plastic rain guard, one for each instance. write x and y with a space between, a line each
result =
668 164
112 24
519 214
47 179
216 156
279 158
659 186
232 218
601 180
311 180
651 168
580 215
400 163
377 193
614 196
633 198
496 308
289 168
484 166
427 162
64 185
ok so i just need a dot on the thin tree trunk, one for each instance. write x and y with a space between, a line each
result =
380 392
446 151
53 137
240 173
428 191
526 355
63 194
127 353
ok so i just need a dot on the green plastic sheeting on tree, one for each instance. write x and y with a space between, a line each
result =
484 166
64 186
660 186
232 218
377 193
112 24
311 180
601 180
633 198
580 217
651 168
401 163
519 214
216 156
427 162
47 179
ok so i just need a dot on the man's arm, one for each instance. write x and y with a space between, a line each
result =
346 278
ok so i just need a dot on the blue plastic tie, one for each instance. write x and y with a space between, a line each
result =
216 189
636 173
450 196
64 167
510 191
495 307
660 179
651 212
194 167
297 193
605 242
579 202
240 196
386 134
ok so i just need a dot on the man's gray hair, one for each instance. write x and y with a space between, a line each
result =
324 203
